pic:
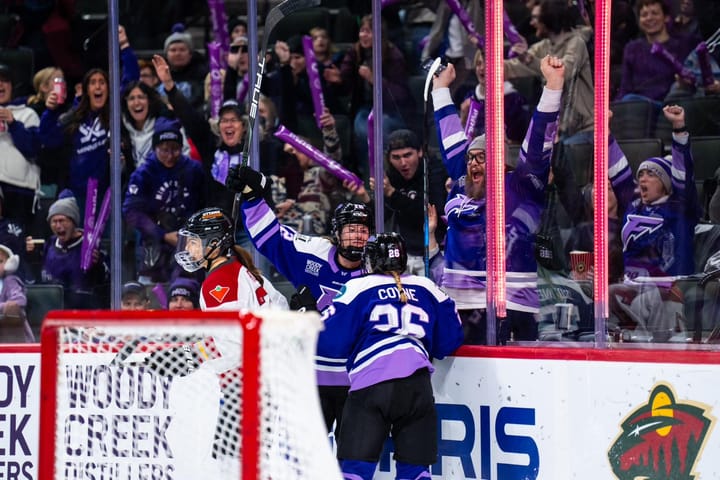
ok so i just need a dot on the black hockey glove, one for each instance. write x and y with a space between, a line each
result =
303 300
247 181
173 362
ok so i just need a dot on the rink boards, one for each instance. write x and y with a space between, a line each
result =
505 413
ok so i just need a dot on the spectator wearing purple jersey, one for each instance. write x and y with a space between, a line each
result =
160 196
62 258
661 209
464 277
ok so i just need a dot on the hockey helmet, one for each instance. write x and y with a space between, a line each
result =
205 233
350 214
385 252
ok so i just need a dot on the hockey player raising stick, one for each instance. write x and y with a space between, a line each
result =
316 264
390 326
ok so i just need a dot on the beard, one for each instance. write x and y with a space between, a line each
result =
473 190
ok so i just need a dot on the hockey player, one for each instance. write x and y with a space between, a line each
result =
464 277
233 282
323 265
390 327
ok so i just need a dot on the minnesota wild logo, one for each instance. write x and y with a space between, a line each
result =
661 439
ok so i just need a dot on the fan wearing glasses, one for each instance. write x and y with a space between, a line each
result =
464 277
161 194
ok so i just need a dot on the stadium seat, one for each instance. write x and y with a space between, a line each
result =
40 300
7 28
12 325
580 157
632 119
639 149
702 118
21 61
706 156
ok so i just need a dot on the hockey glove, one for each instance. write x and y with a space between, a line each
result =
303 300
173 362
247 181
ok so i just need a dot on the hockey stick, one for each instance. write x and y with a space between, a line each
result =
432 70
276 14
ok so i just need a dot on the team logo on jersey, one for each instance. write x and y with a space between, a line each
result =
326 297
661 439
219 293
313 268
638 226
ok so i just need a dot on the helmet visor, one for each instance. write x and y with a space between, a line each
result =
190 252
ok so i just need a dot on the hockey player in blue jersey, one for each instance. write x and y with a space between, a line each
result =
661 209
389 327
321 264
464 277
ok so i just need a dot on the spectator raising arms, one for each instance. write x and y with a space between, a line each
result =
86 129
466 246
661 211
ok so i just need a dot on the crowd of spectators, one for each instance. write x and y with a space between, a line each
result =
176 151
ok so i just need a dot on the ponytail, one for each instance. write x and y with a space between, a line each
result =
245 259
403 295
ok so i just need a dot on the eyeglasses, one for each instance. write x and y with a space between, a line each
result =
238 49
227 121
475 157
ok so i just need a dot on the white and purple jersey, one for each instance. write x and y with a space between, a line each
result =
658 237
375 336
466 242
304 260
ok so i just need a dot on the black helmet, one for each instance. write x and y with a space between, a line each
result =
385 252
204 233
349 214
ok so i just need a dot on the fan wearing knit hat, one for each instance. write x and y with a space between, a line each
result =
661 210
654 177
468 210
83 289
183 294
661 207
188 67
64 218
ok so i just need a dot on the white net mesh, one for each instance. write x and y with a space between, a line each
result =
164 402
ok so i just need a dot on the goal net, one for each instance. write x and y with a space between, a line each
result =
176 395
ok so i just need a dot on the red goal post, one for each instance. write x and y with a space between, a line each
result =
161 395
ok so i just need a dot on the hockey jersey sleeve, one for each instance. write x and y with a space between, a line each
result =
453 141
620 174
447 331
274 241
